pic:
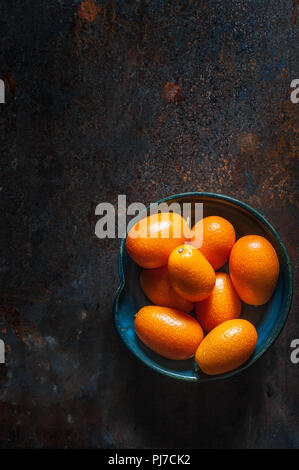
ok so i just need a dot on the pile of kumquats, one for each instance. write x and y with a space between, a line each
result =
182 275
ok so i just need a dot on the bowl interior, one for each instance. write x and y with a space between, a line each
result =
268 319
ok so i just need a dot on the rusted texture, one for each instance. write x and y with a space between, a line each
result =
84 121
88 10
172 92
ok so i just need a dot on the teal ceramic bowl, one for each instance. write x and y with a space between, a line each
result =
268 319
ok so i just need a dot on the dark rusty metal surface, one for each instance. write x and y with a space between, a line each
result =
85 120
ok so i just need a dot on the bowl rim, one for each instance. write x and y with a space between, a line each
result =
279 326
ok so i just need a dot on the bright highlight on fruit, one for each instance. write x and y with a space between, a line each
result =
218 237
190 274
226 347
169 332
223 304
254 269
151 240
